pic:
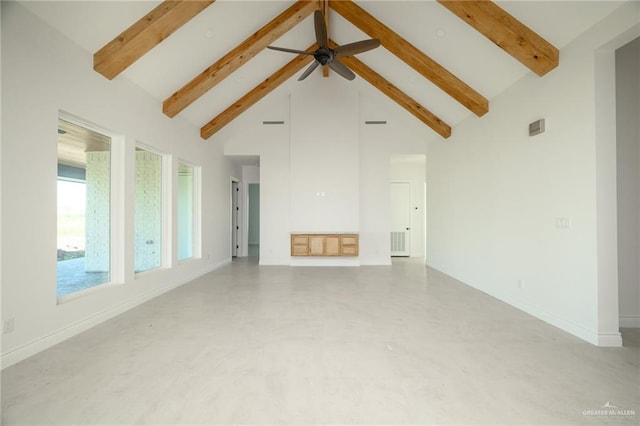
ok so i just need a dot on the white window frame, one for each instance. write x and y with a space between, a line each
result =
166 260
197 213
116 200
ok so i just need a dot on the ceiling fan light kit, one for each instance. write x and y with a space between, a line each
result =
324 55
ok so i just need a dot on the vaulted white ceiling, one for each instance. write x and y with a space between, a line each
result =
226 23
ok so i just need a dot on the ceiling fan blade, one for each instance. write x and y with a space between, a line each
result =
321 30
357 47
341 69
284 49
309 70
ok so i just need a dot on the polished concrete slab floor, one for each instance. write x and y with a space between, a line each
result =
402 344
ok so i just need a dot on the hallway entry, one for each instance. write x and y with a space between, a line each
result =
253 212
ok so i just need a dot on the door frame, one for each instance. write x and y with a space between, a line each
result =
409 233
234 211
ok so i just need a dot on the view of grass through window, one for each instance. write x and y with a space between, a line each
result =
83 193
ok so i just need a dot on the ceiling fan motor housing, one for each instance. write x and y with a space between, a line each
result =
324 56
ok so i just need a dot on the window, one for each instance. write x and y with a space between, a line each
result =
186 211
148 210
84 208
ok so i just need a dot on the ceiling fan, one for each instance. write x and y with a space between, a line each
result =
324 55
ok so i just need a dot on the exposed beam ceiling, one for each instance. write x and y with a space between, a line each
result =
144 35
401 98
508 33
257 93
237 57
413 57
286 72
487 18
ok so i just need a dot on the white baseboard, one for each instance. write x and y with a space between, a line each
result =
630 321
369 262
613 339
38 345
610 340
325 261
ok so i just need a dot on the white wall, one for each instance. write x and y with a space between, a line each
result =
355 176
628 177
324 163
42 73
248 136
495 194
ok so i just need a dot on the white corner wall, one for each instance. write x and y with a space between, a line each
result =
496 196
42 73
628 178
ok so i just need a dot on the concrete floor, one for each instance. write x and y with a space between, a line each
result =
272 345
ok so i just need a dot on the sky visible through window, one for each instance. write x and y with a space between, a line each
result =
71 215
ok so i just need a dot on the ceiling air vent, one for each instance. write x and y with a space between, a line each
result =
273 122
375 122
536 127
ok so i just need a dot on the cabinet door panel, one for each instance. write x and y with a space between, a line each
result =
332 245
300 250
349 250
349 240
316 245
299 239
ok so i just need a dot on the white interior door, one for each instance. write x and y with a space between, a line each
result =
400 219
235 216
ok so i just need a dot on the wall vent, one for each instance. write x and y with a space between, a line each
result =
376 122
273 122
536 127
398 242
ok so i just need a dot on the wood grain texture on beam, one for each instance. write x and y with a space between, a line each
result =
257 93
144 35
412 56
324 7
397 95
508 33
237 57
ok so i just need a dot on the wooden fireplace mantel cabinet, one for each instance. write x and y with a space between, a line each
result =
324 244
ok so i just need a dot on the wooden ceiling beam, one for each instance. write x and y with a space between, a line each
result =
508 33
397 95
144 35
412 56
324 7
257 93
237 57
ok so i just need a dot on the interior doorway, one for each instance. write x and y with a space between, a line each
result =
408 205
401 219
253 213
235 218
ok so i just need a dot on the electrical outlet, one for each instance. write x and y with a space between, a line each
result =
7 325
563 222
